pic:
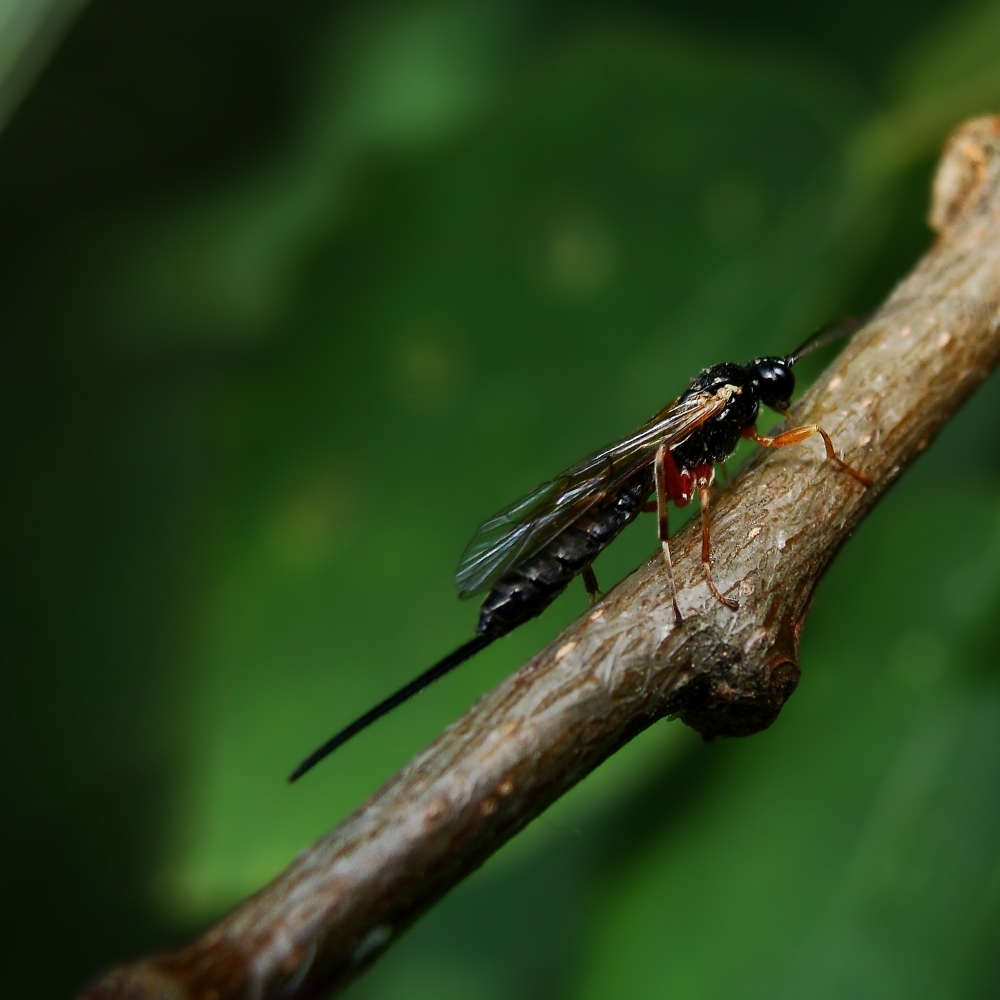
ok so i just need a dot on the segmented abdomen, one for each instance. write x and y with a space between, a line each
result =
528 589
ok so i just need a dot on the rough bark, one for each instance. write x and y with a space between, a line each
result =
625 664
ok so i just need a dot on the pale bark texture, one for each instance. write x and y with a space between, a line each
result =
626 664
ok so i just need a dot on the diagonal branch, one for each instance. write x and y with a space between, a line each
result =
625 665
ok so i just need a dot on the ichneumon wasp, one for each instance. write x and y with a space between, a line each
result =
527 553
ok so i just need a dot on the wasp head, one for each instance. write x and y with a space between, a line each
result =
774 382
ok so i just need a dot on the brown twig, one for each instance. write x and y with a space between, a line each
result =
625 665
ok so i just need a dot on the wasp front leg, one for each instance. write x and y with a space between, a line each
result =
797 434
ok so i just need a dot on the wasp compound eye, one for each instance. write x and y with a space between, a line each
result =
774 382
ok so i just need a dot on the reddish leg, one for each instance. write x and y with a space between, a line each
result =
678 484
660 466
704 476
797 434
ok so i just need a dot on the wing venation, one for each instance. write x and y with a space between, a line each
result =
518 531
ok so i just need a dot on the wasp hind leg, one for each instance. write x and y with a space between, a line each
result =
797 434
662 523
590 582
705 495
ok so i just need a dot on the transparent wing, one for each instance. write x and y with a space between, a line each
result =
517 532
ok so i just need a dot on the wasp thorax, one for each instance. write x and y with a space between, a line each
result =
774 382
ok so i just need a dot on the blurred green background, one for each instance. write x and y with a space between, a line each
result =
292 296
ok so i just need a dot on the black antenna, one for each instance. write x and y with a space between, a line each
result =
439 669
842 326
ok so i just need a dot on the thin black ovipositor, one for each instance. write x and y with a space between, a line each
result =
442 667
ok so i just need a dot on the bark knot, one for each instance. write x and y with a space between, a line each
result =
738 697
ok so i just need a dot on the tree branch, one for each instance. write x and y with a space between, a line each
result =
624 664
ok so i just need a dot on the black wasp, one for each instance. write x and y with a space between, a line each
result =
527 554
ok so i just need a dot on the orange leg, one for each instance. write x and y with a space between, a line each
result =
663 527
797 434
705 495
